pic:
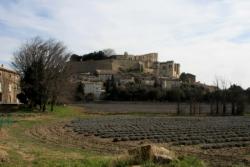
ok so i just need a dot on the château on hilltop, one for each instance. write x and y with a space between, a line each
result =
147 64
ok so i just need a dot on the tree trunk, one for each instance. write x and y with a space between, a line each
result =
199 109
53 102
190 108
217 107
233 108
211 108
178 108
44 107
52 106
224 108
194 108
31 105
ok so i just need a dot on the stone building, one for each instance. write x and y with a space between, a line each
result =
95 88
104 75
9 86
169 84
145 62
169 69
188 78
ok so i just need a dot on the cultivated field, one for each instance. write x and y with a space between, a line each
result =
207 132
79 136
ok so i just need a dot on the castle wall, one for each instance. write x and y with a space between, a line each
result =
124 64
108 64
90 66
147 63
150 57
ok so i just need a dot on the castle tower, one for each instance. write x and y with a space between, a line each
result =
169 69
177 70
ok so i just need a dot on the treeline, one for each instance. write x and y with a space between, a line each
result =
194 95
97 55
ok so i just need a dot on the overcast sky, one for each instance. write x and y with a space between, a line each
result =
207 37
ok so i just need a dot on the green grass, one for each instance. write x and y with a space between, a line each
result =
6 121
188 161
63 111
68 112
71 162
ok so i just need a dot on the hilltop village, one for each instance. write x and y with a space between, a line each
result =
90 74
93 71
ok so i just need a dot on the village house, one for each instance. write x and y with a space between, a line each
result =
95 88
168 84
126 80
148 81
104 75
9 86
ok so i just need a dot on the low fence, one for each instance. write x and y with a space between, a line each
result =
6 108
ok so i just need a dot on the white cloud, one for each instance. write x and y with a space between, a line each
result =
201 34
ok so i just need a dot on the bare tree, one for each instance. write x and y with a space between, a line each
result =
220 96
224 85
42 65
217 94
109 52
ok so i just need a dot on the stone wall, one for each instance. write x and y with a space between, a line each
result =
152 57
108 64
125 65
7 108
90 66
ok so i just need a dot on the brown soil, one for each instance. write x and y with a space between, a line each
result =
218 157
57 134
4 156
60 135
3 133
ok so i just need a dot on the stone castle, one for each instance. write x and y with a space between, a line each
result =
146 63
